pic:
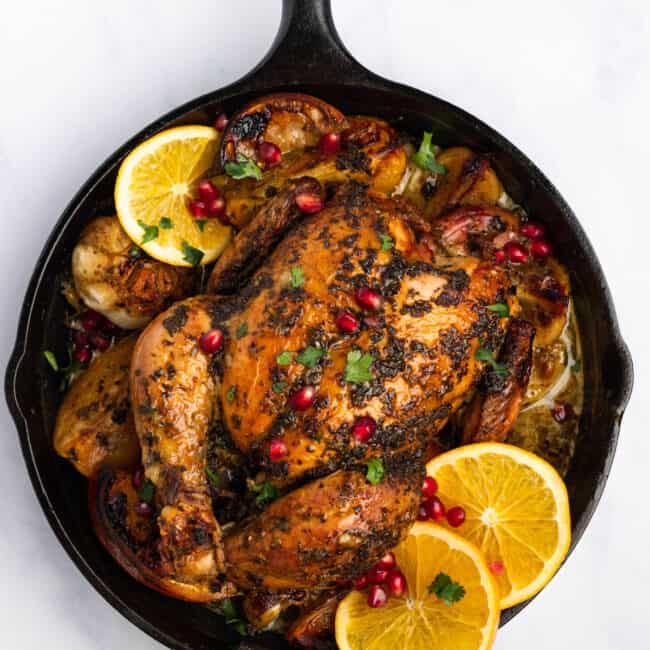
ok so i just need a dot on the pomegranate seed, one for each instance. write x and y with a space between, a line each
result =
429 487
496 566
221 122
82 355
376 596
90 319
198 209
303 398
533 230
107 326
361 582
277 450
516 252
138 478
423 512
435 509
396 582
347 322
541 248
499 257
364 428
330 142
309 202
269 153
376 575
388 561
144 509
100 342
207 191
371 321
561 412
216 207
80 339
211 341
368 298
456 516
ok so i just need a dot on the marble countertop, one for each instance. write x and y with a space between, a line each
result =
565 81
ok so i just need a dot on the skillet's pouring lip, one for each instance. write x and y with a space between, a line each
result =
306 50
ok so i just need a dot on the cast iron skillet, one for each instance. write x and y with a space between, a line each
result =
308 56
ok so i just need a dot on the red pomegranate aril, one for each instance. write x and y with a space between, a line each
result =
361 582
396 582
540 248
100 342
515 252
561 412
376 596
207 191
347 322
456 516
216 207
429 487
496 567
82 355
330 142
80 339
89 319
533 230
423 512
221 122
144 509
198 209
269 153
138 478
377 576
107 326
277 450
303 398
309 202
387 562
435 509
211 341
499 257
368 298
364 428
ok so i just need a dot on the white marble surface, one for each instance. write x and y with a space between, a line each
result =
566 81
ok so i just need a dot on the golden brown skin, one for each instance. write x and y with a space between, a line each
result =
94 425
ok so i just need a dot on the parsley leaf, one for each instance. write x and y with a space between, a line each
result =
200 224
279 386
243 168
135 251
375 472
483 354
150 232
213 476
51 359
446 589
426 156
191 255
297 278
232 616
500 308
242 330
68 371
310 355
146 491
357 369
265 492
386 242
166 223
230 395
284 358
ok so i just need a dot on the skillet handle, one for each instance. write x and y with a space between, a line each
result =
308 49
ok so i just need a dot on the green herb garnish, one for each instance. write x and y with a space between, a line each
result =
135 251
310 355
386 242
375 472
150 232
576 366
483 354
242 330
279 386
230 395
500 308
426 156
297 278
357 369
200 224
146 491
446 589
191 255
243 168
232 616
166 223
265 492
284 358
51 359
68 371
213 476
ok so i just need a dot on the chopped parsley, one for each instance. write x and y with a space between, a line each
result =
242 330
500 308
200 224
483 354
426 156
357 369
213 476
51 359
150 232
230 395
146 491
135 251
166 223
191 255
446 589
68 371
232 616
284 358
243 168
297 278
265 492
310 355
386 242
279 386
375 472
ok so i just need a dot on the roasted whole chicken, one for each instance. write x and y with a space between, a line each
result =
365 316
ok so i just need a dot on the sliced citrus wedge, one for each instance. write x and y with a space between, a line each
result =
421 619
516 512
155 183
